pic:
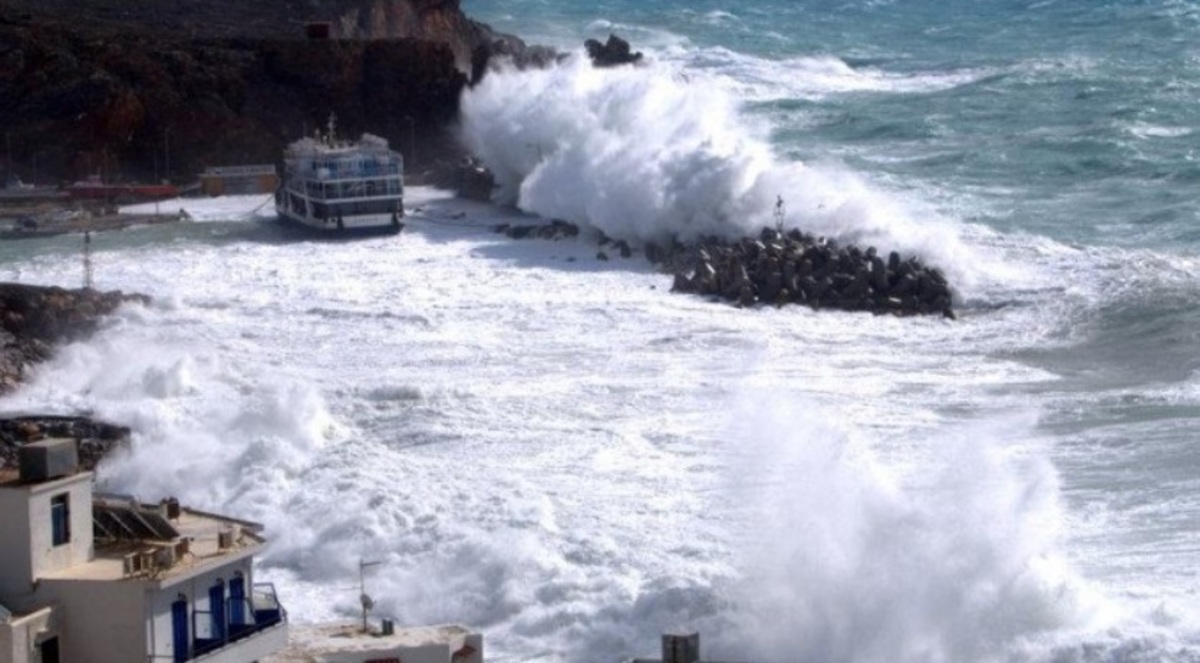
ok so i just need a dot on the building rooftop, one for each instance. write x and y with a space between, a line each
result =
10 477
313 643
160 542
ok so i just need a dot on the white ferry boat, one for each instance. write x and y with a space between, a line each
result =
342 187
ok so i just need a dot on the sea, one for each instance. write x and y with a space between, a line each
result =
547 445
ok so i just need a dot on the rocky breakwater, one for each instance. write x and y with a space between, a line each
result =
793 267
780 267
35 319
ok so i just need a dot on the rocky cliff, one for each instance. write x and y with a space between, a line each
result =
132 90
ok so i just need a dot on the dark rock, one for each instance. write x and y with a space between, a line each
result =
223 82
96 438
555 230
612 53
777 268
36 319
466 177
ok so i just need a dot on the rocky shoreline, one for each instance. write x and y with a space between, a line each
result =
33 321
36 319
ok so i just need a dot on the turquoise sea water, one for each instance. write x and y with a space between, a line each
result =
1070 119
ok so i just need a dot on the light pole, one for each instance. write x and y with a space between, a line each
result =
366 600
412 140
167 152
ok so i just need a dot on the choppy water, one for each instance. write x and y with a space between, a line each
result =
555 450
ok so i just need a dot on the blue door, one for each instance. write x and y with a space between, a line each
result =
179 629
216 603
237 601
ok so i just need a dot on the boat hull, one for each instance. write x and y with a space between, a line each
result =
347 226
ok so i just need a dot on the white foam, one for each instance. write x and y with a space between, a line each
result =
957 563
815 77
550 447
642 153
221 208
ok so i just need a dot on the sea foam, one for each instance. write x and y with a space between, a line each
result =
957 564
649 154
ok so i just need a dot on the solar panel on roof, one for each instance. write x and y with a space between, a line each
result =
128 523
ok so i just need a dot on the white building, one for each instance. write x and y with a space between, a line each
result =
348 643
94 579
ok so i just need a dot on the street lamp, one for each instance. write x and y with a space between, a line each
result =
367 602
167 152
412 140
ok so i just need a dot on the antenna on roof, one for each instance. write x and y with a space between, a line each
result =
331 137
367 602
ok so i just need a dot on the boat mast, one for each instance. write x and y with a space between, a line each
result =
331 136
87 260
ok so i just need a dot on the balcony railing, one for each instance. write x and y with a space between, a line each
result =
241 619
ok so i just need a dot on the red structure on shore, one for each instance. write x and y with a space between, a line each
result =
97 190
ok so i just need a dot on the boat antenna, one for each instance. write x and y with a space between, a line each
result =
332 135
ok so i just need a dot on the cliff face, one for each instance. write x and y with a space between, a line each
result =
429 20
132 91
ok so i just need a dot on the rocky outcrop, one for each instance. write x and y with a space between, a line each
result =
96 438
466 177
614 52
35 319
555 230
474 44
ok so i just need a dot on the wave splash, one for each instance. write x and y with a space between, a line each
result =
965 565
652 153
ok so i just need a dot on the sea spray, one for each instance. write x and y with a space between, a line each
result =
648 153
846 561
203 431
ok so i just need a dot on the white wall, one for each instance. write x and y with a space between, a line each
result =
104 621
26 534
432 653
16 568
19 638
47 557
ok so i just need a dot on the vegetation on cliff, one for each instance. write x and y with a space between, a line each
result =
133 91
